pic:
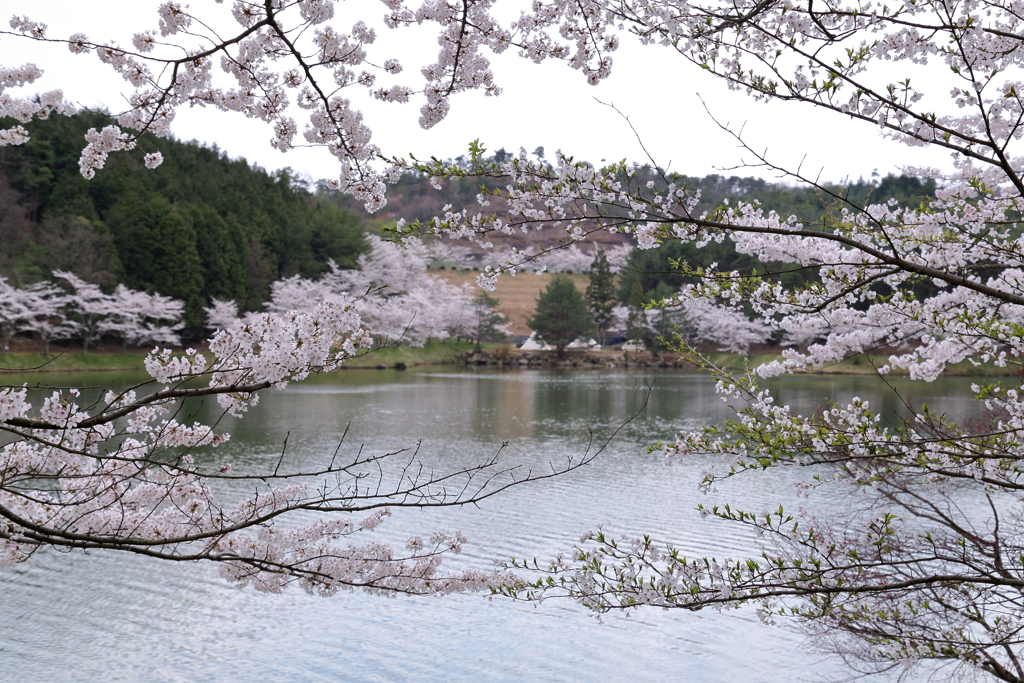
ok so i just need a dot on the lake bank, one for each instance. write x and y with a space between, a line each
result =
462 352
112 360
610 358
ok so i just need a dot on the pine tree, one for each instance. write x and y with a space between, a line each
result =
601 294
637 330
562 315
180 273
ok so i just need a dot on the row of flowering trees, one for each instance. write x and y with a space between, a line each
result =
396 296
82 311
571 259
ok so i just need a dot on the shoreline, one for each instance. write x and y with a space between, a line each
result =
464 354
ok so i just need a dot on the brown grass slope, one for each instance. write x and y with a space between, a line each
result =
517 296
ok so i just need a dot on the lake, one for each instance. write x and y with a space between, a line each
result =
117 617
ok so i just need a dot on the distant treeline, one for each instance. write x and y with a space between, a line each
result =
200 226
413 198
659 279
203 226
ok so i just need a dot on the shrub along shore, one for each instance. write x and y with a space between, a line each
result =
461 352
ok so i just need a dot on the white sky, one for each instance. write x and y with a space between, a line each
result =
545 105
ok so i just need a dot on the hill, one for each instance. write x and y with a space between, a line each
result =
199 226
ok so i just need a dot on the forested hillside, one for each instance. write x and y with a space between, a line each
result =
654 268
200 226
413 198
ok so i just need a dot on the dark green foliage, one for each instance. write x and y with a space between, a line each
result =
561 316
221 251
637 330
655 269
601 293
180 276
70 243
200 226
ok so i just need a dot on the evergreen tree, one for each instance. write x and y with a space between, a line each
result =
601 294
562 315
637 330
180 273
670 322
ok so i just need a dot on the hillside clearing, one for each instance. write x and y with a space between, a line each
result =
517 296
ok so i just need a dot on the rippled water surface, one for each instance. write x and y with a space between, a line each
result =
114 617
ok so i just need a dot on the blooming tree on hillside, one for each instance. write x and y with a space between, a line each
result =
44 308
726 328
136 317
915 575
571 259
87 307
399 299
221 314
395 295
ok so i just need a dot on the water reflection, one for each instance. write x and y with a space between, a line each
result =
112 617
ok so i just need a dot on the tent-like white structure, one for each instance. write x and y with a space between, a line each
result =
533 344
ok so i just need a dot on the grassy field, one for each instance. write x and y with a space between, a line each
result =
71 361
433 353
517 296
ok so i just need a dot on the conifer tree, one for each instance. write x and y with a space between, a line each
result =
562 314
180 275
637 330
601 294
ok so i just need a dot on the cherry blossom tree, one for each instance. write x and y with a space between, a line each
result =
87 307
221 314
395 295
15 311
46 313
569 260
399 299
911 575
726 328
298 294
142 319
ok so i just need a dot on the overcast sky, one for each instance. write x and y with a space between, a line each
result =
545 105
